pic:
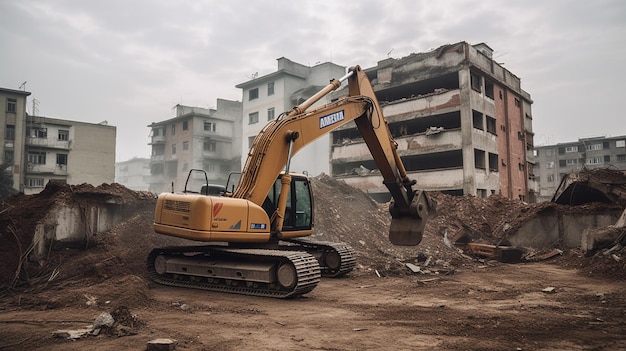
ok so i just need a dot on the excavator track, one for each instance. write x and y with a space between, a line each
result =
335 259
255 272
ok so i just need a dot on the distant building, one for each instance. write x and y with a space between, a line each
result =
462 122
134 173
266 97
196 138
42 149
556 161
13 133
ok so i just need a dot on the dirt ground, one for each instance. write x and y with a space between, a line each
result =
456 302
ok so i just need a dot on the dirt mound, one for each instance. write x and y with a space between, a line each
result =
113 268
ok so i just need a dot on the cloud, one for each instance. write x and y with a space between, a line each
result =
130 62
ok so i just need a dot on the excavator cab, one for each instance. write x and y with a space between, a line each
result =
299 209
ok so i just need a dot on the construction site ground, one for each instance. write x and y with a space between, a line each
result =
454 302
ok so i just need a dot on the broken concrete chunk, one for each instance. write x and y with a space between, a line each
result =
413 268
549 290
162 344
72 334
103 320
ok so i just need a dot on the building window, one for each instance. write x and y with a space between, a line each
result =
549 152
517 102
481 193
595 160
210 168
607 158
561 163
209 126
479 159
173 149
571 149
10 132
8 157
477 120
253 94
185 125
185 145
173 129
61 159
475 81
156 131
550 164
253 118
270 113
270 88
593 147
571 162
489 89
620 143
37 158
210 145
11 106
38 133
493 162
550 178
35 182
621 158
491 125
64 135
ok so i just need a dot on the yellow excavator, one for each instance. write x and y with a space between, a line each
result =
255 235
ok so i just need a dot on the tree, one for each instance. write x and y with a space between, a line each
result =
6 181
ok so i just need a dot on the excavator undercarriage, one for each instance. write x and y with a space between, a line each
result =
285 269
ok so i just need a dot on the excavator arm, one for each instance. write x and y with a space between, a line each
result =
280 139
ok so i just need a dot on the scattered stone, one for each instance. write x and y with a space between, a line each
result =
162 344
103 320
549 290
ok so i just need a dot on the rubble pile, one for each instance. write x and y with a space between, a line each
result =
117 257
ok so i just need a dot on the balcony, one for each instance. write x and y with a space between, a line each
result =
48 143
157 158
159 139
59 170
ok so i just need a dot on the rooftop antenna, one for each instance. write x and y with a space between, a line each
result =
390 51
23 86
35 104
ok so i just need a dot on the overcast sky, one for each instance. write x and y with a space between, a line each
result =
130 62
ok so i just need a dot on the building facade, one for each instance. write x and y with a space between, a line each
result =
196 138
556 161
462 122
68 152
268 96
13 133
134 173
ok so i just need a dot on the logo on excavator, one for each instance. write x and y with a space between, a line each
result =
331 119
216 208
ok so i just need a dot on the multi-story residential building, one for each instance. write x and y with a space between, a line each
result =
556 161
462 122
134 173
67 151
196 138
13 132
40 149
268 96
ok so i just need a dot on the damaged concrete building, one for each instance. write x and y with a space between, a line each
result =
462 122
554 162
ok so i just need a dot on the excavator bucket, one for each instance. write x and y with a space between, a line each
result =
407 228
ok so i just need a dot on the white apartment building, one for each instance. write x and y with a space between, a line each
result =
268 96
